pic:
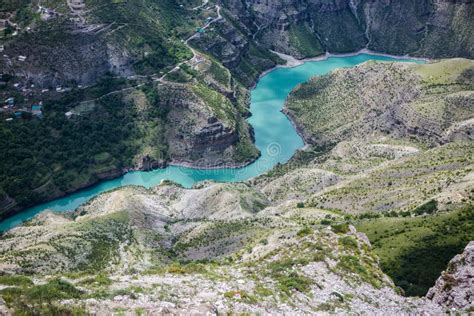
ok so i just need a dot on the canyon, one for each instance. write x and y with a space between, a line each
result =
364 218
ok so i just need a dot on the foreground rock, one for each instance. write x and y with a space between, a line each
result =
455 287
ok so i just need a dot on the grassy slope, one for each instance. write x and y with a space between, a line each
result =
413 251
403 184
304 41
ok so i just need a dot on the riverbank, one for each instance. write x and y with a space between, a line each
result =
298 127
292 62
120 172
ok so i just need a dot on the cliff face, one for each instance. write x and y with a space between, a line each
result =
236 49
204 128
92 41
77 57
309 27
455 287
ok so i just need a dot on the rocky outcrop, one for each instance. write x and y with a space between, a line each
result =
236 50
455 287
196 135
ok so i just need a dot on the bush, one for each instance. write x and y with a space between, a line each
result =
304 232
348 242
340 228
39 299
293 281
428 208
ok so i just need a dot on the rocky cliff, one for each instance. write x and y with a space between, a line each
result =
67 46
311 27
454 288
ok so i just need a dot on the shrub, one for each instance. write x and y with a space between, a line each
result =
353 264
428 208
340 228
304 232
348 242
38 300
293 281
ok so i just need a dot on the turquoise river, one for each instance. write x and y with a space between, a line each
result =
275 136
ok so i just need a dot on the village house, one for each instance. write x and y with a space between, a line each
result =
10 102
36 110
47 14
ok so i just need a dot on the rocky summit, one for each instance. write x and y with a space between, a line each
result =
373 214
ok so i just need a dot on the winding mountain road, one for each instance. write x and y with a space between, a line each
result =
186 42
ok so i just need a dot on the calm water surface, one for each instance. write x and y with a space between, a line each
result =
275 136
